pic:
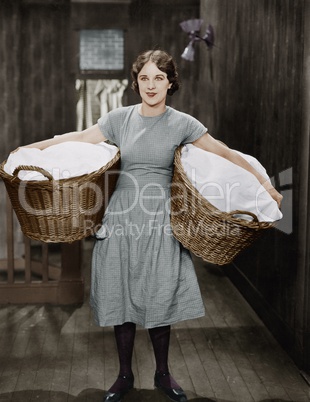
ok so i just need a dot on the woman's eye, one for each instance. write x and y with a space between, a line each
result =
159 78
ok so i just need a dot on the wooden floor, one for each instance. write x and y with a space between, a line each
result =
58 354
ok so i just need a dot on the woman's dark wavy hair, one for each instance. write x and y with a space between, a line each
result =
163 61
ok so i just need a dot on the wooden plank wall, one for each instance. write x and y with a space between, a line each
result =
9 77
35 82
252 99
47 86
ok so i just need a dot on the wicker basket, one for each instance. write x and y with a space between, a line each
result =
63 210
216 236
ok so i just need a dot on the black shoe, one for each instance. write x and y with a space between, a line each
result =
174 394
117 396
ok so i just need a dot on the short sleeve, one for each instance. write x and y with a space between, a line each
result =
110 126
194 130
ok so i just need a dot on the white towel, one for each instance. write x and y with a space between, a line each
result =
64 160
228 186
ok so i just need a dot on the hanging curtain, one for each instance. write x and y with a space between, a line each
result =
96 98
110 94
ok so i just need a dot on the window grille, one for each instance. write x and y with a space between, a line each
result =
102 49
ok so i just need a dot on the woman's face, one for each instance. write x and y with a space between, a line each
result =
153 84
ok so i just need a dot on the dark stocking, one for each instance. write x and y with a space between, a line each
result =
160 338
124 336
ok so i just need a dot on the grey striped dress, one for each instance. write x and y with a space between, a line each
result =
140 272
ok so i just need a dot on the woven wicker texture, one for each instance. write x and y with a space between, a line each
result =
63 210
216 236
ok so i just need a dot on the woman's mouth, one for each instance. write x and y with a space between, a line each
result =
151 94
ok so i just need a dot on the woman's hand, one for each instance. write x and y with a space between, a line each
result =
208 143
274 193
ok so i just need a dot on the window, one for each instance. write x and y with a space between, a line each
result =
102 49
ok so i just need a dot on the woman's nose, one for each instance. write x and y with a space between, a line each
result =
151 84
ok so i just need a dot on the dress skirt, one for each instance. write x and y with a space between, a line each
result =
140 272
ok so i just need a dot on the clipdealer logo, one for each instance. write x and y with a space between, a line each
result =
63 202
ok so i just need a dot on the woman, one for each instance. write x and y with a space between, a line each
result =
140 273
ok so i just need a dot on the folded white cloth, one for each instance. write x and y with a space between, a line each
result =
64 160
228 186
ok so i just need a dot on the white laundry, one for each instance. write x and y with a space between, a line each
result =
227 186
64 160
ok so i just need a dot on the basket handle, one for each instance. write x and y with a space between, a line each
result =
33 168
237 212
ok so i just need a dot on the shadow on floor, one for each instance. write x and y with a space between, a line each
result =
92 395
96 395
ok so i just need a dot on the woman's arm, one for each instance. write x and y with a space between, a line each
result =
92 135
208 143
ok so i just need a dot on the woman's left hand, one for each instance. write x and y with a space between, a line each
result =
208 143
274 193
